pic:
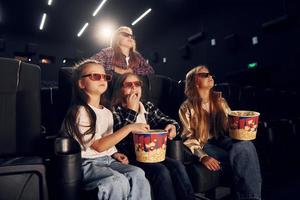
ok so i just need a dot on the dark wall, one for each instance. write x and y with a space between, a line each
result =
39 47
276 52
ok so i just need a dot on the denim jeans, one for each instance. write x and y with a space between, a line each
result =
114 180
168 179
241 158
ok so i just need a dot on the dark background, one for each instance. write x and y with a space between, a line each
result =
165 32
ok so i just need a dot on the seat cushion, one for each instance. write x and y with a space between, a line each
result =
23 178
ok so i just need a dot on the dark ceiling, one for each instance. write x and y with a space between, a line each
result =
66 17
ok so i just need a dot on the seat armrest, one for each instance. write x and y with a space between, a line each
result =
188 156
66 169
175 149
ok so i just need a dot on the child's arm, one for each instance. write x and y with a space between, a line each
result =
157 119
123 116
111 140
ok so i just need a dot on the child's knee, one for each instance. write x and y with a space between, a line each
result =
116 180
113 186
136 173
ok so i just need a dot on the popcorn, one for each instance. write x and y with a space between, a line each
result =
150 147
243 124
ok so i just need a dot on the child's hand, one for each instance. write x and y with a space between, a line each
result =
122 158
171 129
132 101
139 127
211 163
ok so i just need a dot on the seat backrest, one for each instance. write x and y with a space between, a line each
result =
49 109
65 82
20 113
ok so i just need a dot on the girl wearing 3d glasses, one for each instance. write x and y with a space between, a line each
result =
91 124
121 57
168 178
204 120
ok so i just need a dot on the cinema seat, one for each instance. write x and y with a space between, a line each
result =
22 169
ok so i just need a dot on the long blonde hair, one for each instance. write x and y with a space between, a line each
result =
118 56
215 121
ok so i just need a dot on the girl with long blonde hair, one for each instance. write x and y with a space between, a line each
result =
204 119
121 57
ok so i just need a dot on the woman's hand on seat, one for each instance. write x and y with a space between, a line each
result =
211 163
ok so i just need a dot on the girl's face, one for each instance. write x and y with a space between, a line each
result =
126 39
93 79
132 85
204 80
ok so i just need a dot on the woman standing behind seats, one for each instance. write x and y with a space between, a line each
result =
168 178
121 57
91 124
204 119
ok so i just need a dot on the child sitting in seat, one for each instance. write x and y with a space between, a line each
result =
92 126
168 178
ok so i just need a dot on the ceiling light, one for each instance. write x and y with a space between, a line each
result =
99 7
141 17
43 21
49 2
82 30
106 31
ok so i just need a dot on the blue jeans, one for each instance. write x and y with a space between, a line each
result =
168 179
241 158
114 180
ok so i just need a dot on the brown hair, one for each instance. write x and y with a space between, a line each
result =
118 97
79 98
216 121
118 56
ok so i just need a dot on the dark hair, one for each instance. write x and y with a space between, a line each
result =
79 99
118 97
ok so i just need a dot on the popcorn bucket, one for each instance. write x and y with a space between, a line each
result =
243 124
150 147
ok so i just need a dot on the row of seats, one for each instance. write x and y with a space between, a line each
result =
270 102
28 154
276 135
33 165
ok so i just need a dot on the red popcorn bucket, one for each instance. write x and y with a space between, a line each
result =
243 124
150 147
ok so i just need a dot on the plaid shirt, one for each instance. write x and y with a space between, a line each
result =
154 117
105 57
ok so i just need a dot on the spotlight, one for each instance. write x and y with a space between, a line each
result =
106 31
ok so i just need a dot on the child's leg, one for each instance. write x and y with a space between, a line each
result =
111 184
140 187
183 186
246 169
160 179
